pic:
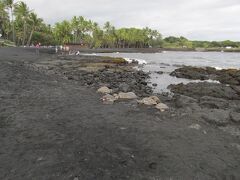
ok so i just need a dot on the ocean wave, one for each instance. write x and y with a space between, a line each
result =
211 81
218 68
139 61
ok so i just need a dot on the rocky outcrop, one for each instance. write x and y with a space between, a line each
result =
195 73
154 101
199 90
217 104
118 81
225 76
149 101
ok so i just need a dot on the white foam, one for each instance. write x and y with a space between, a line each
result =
139 61
87 54
212 81
218 68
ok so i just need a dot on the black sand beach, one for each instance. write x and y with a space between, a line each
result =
53 125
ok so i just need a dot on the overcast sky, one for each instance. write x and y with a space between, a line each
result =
194 19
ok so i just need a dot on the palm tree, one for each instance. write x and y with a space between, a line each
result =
10 4
5 24
75 28
35 22
2 15
63 32
22 11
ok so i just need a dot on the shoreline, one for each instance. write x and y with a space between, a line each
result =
152 50
52 50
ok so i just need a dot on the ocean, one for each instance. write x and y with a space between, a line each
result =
167 62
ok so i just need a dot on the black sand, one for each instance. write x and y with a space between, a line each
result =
56 129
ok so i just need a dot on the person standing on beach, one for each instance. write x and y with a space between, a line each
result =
37 48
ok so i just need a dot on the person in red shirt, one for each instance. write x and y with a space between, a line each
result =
37 48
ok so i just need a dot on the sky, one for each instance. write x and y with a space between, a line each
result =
195 19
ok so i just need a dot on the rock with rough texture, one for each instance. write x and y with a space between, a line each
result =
198 90
225 76
218 117
108 99
235 117
212 102
162 107
150 101
124 87
147 101
183 101
129 95
190 72
104 90
155 98
116 96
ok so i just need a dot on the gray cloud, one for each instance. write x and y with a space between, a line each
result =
195 19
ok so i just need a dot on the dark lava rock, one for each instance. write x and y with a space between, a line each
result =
217 117
155 85
119 80
195 73
182 101
225 76
198 90
124 87
229 76
214 103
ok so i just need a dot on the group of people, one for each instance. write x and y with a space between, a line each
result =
63 49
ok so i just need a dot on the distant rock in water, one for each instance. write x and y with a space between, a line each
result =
225 76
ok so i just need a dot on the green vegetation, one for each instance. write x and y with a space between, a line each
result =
23 27
81 30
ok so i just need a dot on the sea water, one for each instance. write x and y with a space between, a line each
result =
167 62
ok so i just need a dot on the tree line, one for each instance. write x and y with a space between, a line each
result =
87 32
176 42
23 27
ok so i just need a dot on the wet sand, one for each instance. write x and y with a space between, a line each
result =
52 127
